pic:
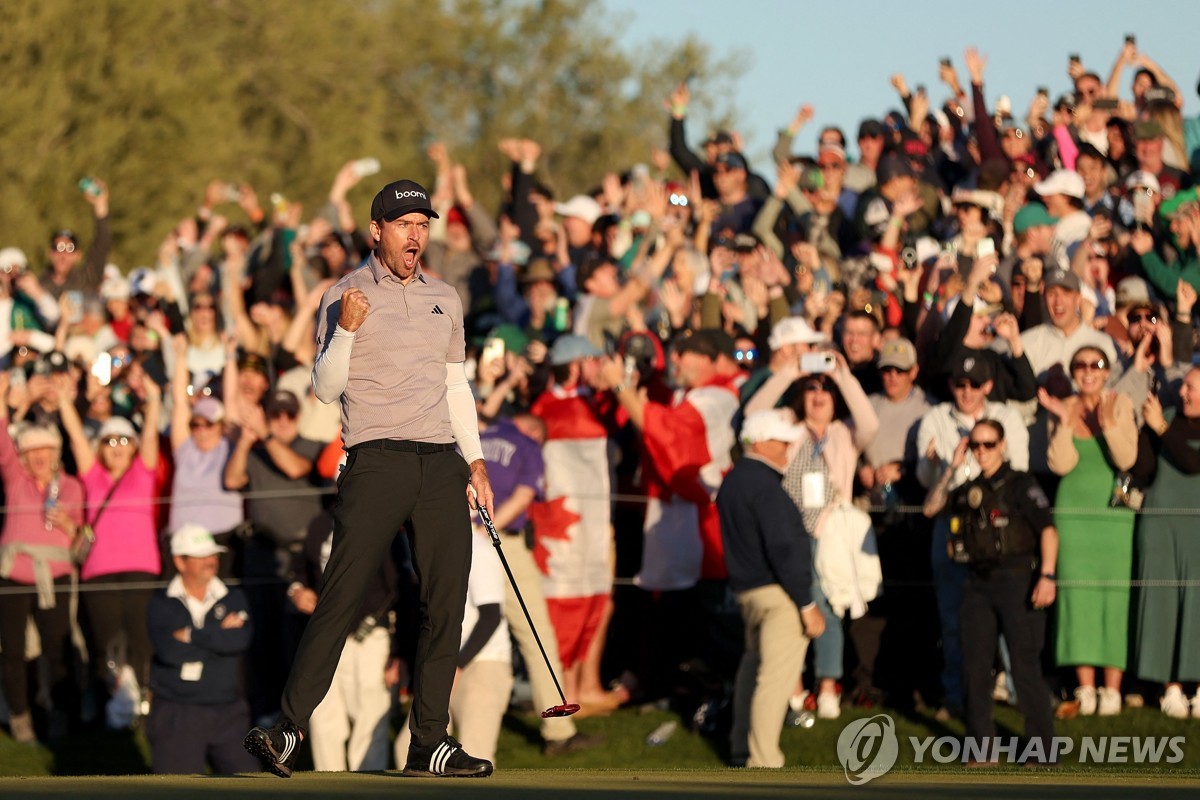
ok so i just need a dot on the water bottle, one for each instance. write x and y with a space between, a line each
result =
562 310
797 715
51 502
89 185
662 733
890 501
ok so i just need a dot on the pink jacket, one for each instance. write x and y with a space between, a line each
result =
25 523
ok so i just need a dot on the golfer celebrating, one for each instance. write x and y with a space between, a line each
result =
391 347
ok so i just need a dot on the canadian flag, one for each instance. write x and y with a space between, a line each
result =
688 450
573 526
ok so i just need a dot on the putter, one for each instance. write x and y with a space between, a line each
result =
565 709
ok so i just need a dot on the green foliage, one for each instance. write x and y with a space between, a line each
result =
159 98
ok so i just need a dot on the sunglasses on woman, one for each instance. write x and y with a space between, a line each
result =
981 444
1080 365
117 441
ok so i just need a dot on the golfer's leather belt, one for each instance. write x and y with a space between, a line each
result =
404 446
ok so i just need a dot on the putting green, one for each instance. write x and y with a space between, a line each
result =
603 784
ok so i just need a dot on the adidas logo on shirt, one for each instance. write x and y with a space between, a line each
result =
438 310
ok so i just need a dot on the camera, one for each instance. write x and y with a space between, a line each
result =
367 166
817 363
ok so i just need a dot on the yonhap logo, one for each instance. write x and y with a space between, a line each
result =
868 748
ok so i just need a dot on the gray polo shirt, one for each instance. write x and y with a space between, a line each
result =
397 383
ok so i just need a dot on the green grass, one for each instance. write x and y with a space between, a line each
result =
126 753
605 784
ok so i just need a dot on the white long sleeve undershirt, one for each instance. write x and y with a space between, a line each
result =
464 420
331 370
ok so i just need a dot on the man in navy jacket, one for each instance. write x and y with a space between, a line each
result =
199 628
768 554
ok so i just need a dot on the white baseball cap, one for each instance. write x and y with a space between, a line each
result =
772 425
581 206
1142 178
1061 181
13 258
193 540
794 330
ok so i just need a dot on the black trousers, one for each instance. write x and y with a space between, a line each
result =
117 616
54 628
185 738
996 603
378 491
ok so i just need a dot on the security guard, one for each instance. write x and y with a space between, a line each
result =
1002 528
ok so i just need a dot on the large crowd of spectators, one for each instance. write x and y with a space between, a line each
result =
1041 271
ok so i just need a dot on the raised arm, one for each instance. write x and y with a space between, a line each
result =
151 417
81 448
181 406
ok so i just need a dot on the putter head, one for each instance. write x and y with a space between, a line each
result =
565 710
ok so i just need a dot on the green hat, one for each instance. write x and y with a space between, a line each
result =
1147 129
515 340
1030 215
1178 200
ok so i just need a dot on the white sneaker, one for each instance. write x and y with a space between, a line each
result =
1000 689
1086 695
829 705
1174 704
1110 702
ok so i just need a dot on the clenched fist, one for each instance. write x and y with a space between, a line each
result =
355 308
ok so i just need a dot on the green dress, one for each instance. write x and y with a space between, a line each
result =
1168 617
1095 546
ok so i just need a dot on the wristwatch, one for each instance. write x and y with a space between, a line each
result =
1050 576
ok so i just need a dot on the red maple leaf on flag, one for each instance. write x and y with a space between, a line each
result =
551 519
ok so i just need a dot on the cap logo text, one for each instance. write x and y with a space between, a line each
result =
410 193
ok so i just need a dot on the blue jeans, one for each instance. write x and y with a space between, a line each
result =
828 647
948 580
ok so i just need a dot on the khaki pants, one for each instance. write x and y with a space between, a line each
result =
768 674
529 578
348 730
477 705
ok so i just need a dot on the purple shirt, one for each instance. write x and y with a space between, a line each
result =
198 493
513 460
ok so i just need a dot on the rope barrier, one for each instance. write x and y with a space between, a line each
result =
188 500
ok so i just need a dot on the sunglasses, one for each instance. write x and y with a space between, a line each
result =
117 441
1098 364
746 355
283 414
967 384
988 445
816 385
65 247
1145 316
197 424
